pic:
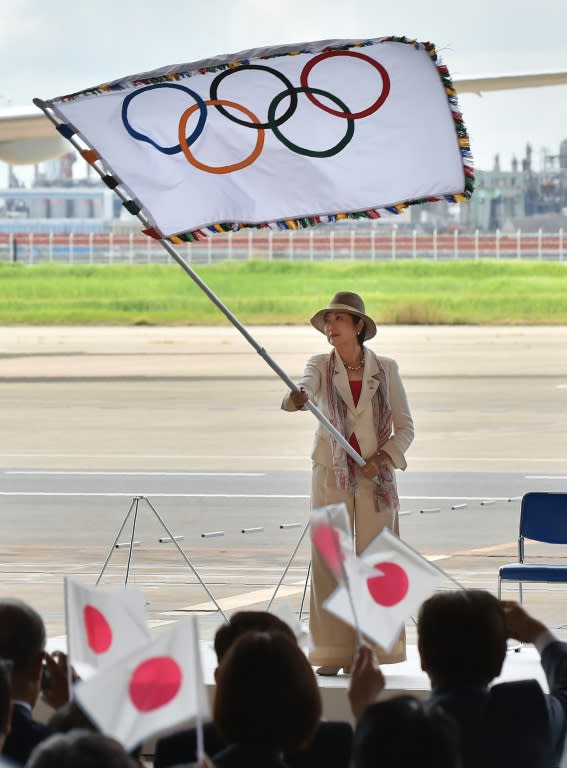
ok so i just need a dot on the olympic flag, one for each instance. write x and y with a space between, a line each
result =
284 136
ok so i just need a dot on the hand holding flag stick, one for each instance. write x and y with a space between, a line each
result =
366 681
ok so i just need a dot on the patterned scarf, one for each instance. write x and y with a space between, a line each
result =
386 492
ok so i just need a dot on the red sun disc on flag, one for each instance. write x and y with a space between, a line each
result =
154 683
390 586
99 633
326 539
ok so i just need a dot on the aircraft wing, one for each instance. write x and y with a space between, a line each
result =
28 137
508 82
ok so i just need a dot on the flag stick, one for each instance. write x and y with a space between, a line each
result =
68 626
48 110
344 577
262 352
432 565
199 689
359 637
200 738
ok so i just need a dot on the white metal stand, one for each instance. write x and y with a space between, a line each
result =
134 507
286 569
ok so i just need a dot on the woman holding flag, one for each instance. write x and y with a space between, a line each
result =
363 397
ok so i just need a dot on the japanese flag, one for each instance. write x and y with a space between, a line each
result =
156 687
103 625
331 535
398 582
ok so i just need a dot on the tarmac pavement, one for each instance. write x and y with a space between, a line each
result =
190 418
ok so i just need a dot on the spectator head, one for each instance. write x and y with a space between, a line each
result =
22 641
80 749
247 621
462 637
402 733
5 700
266 693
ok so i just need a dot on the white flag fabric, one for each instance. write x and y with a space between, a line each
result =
284 136
103 625
158 686
385 598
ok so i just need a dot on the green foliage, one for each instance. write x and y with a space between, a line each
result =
260 292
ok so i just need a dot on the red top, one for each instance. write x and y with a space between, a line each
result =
356 389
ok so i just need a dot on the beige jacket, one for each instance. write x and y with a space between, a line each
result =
358 418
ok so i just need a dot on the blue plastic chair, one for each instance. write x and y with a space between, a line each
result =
543 518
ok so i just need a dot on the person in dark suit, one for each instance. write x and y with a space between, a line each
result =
5 700
462 640
22 641
331 745
403 733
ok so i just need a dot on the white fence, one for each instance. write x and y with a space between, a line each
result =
313 244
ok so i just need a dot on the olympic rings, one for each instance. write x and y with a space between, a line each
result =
301 150
254 155
273 122
142 137
289 87
352 115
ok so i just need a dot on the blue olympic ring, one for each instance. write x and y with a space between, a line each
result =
176 148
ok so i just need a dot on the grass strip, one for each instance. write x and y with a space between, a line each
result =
485 292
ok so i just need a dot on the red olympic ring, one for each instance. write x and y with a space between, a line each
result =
348 115
254 155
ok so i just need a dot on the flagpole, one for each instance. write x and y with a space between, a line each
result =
199 688
68 625
359 637
261 351
95 162
432 565
345 576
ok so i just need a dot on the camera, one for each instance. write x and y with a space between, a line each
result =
45 677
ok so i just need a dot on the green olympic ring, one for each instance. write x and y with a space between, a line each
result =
302 150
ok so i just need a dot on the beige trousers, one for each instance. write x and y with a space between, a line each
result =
333 642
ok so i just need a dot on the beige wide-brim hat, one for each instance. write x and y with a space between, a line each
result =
345 301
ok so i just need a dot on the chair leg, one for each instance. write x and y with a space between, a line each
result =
519 647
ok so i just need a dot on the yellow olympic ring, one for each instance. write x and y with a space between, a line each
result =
254 155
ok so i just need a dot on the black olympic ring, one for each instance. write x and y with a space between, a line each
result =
356 115
286 115
301 150
142 137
